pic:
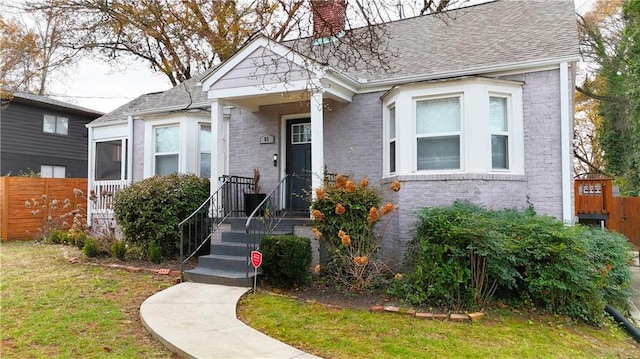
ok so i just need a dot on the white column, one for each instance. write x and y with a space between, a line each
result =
565 135
217 143
129 144
317 141
91 174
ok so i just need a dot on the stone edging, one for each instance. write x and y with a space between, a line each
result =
476 316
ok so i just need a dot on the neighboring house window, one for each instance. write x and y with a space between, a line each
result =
109 164
469 125
167 147
205 151
499 123
50 171
392 139
55 124
438 134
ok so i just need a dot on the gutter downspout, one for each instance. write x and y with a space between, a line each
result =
565 139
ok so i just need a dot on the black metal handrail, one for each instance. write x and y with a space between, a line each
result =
266 217
200 226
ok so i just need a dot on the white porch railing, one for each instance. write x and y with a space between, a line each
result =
101 195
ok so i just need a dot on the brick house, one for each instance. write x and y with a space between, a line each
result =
480 110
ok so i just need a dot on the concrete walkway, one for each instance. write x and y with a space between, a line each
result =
199 321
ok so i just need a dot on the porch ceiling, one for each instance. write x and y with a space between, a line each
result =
253 102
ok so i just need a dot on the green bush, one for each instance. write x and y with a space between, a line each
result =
154 252
286 259
91 248
150 210
119 249
465 256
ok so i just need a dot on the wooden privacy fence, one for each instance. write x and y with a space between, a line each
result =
16 221
625 218
594 200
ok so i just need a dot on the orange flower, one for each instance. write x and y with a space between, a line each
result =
316 233
317 268
361 261
340 209
373 215
364 183
346 239
320 193
395 186
386 209
341 182
350 186
317 214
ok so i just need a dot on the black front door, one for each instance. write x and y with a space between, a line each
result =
298 165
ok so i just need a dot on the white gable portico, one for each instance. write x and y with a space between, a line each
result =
264 73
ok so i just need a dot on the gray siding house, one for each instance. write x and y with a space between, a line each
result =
478 107
45 136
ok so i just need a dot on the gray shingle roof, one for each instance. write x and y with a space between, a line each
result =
18 95
495 34
499 34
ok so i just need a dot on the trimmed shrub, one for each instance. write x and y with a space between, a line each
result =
119 249
286 259
465 256
150 210
154 252
90 247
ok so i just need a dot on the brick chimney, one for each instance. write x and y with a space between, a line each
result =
328 17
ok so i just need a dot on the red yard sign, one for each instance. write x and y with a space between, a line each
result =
256 259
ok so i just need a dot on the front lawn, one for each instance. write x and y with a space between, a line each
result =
330 332
52 308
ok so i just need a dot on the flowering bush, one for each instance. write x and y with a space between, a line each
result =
55 216
345 215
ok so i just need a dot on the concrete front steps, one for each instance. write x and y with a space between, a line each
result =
227 263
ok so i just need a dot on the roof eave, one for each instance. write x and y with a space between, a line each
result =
517 66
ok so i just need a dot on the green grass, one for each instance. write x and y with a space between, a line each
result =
50 308
334 333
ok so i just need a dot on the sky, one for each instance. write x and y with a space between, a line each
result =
97 86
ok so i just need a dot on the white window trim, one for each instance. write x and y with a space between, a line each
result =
503 133
388 139
475 132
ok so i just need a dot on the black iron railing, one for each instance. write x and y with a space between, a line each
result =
267 216
233 193
197 230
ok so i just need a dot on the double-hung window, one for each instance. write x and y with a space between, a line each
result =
499 123
55 124
438 134
167 149
205 150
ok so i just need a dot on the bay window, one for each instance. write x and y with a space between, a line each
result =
466 125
